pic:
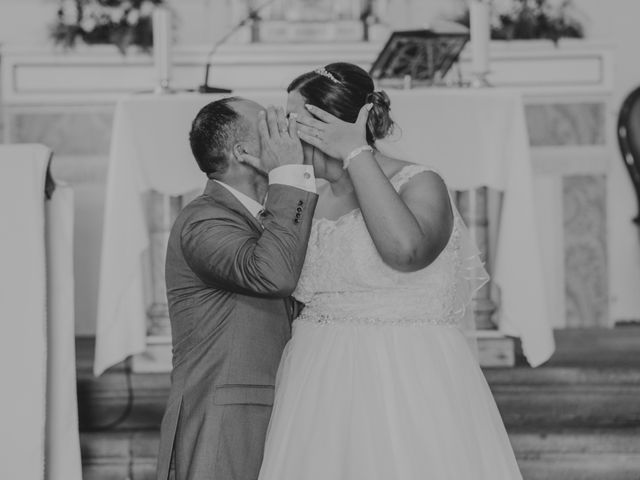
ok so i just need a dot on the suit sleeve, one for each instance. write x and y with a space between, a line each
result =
224 252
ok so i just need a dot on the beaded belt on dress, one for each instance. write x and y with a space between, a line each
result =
317 318
389 307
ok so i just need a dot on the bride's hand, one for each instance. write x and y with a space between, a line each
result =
279 142
331 135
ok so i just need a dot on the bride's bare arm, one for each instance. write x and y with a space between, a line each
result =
410 228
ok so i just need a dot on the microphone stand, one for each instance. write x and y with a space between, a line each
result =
253 16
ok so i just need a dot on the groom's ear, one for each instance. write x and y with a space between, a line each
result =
238 151
241 155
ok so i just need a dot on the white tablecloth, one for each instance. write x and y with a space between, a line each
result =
62 452
38 410
473 137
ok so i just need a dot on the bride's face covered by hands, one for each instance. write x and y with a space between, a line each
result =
323 165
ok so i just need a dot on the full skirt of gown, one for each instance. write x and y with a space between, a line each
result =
379 381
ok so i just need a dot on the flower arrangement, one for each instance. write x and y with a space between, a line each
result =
533 19
118 22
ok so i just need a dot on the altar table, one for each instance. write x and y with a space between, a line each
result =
473 137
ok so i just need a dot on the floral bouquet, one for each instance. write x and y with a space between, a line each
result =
532 19
118 22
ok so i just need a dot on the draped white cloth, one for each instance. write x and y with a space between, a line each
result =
38 409
472 137
62 451
23 296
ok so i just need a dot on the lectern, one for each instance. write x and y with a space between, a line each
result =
419 57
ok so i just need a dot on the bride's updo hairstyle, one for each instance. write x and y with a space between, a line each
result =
342 89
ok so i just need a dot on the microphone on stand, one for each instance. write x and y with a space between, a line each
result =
253 15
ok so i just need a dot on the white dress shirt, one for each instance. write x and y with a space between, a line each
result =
299 176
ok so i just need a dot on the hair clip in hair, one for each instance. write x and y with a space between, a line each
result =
323 71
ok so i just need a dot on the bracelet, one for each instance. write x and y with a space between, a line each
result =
354 153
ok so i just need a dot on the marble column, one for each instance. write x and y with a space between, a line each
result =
162 211
580 126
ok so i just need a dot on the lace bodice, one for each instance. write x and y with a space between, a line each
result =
344 279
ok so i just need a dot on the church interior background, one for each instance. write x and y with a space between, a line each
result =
575 416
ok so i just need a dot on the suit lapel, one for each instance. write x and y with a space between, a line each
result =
224 197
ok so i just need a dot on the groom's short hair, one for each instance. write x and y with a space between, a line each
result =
213 132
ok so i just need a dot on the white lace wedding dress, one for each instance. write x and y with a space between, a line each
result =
378 381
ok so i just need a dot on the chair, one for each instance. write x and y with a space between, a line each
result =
629 140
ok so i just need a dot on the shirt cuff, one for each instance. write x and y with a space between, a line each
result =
299 176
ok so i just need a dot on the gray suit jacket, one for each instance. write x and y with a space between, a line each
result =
229 282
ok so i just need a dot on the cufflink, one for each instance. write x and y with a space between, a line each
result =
307 175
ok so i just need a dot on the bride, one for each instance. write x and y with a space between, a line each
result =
378 380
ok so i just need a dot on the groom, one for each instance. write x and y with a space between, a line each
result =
231 267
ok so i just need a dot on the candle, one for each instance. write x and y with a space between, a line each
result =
356 9
381 8
239 10
480 33
162 46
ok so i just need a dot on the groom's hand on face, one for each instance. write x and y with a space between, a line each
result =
279 141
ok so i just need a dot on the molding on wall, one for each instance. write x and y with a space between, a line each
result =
100 73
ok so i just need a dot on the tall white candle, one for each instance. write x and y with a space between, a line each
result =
239 10
162 46
480 33
356 9
381 9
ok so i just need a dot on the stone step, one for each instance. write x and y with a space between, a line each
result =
105 400
579 455
569 397
575 418
561 455
119 455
